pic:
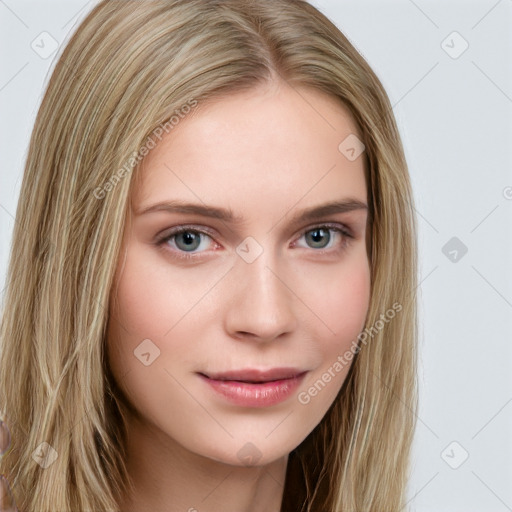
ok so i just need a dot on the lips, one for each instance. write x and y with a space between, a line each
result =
255 388
251 375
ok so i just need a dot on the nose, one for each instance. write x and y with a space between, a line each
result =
261 305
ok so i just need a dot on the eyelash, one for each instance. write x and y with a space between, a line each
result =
347 237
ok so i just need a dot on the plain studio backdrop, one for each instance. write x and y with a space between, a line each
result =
447 69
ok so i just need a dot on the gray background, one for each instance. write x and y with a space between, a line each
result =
454 110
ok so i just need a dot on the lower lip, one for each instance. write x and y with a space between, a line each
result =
262 394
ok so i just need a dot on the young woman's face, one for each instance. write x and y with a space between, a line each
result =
274 297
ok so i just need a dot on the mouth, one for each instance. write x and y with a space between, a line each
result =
254 376
255 388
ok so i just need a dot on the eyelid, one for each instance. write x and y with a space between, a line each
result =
340 227
168 233
332 225
161 240
211 232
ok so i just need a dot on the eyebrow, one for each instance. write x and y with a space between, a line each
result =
227 215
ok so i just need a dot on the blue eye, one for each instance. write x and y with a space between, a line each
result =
320 237
183 241
316 236
188 240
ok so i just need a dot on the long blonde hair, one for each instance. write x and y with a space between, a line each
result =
130 67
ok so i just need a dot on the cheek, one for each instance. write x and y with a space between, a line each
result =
155 301
144 307
348 301
340 306
339 296
152 296
137 311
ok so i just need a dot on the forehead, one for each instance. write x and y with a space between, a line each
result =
275 145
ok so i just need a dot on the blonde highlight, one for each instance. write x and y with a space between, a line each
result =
126 70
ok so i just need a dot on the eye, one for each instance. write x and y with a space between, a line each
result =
184 240
320 237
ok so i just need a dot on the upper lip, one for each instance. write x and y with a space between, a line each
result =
255 375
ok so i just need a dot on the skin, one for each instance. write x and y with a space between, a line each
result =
266 154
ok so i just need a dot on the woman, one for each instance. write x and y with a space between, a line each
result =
263 369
